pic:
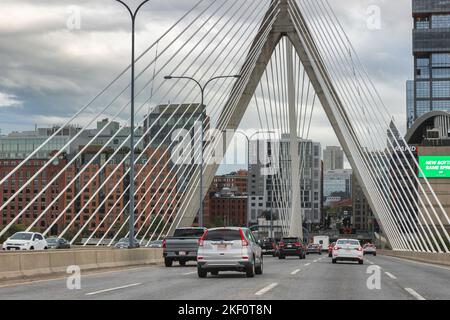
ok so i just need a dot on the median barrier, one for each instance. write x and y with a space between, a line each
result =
427 257
49 262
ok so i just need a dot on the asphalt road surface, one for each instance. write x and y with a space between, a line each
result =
313 278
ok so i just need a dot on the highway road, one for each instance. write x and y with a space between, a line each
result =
313 278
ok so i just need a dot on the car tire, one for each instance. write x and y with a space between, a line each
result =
361 262
168 262
259 269
182 263
330 255
334 260
31 248
250 270
374 254
215 273
202 273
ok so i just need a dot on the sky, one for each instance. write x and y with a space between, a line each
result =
55 55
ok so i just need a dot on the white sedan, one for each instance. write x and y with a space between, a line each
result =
348 250
25 241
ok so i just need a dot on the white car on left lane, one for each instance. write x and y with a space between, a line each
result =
25 241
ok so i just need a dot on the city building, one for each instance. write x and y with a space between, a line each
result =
227 208
46 201
112 135
429 137
363 219
177 127
430 89
268 186
19 145
95 201
337 183
235 180
333 158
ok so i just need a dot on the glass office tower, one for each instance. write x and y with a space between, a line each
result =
431 49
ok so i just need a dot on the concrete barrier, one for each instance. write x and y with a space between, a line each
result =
52 262
433 258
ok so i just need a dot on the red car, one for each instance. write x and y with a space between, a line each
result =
330 249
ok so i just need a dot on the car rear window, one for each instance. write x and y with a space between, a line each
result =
290 240
225 235
189 233
350 242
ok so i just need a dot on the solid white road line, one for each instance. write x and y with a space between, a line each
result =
113 289
187 273
307 264
415 294
266 289
390 275
295 271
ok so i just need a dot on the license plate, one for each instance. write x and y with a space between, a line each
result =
222 246
289 246
182 253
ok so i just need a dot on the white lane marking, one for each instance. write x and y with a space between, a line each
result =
266 289
295 271
307 264
315 261
187 273
113 289
415 294
390 275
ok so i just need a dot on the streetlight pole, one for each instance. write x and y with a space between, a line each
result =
202 134
132 144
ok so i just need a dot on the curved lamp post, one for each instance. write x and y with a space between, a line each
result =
133 15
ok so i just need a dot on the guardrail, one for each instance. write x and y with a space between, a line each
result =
433 258
40 263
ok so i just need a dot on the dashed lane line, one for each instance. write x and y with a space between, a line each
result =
390 275
113 289
295 272
266 289
415 294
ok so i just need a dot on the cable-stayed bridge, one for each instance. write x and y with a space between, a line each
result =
292 57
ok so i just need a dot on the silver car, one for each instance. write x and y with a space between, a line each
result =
229 249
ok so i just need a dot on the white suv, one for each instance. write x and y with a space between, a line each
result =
25 241
229 249
348 250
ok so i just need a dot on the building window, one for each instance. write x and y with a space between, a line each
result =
440 21
422 23
422 89
441 89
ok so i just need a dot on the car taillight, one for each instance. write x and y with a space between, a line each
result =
243 240
336 248
164 244
281 244
359 249
201 241
297 244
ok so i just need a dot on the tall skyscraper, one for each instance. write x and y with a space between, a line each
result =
270 191
430 89
333 158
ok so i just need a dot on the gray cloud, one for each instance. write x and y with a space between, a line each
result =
51 71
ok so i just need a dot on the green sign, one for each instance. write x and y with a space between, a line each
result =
435 166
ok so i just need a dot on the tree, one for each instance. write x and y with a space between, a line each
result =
14 228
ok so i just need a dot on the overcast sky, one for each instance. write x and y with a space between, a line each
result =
49 67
